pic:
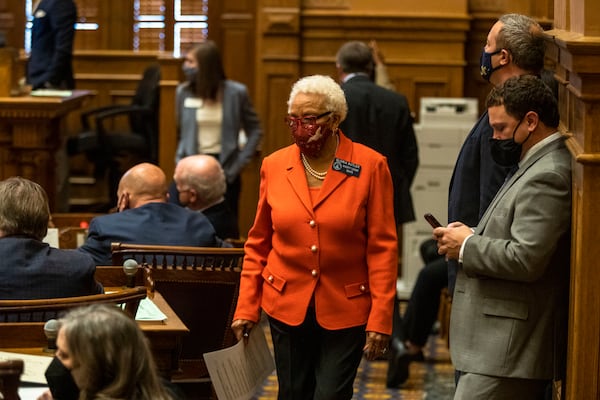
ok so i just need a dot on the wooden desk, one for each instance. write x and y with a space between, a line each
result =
164 338
31 130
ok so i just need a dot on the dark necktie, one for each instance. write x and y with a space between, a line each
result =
511 173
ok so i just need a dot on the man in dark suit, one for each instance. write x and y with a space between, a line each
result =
30 268
145 217
201 185
52 33
380 119
509 306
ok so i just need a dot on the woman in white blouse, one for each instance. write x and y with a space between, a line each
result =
211 112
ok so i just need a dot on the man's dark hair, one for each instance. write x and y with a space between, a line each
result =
521 94
355 57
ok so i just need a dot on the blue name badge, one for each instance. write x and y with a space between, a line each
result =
346 167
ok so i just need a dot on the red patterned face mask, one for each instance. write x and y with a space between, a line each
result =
308 135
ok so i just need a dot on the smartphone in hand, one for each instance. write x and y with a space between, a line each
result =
432 220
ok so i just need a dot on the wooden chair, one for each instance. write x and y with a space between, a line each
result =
201 284
44 309
10 377
113 276
236 242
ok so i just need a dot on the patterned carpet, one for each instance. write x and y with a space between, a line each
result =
429 380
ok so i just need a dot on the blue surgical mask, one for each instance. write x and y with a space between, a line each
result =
485 63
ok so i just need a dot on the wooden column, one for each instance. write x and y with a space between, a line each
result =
575 47
233 27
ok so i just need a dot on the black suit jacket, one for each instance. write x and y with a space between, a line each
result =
152 223
223 220
31 269
380 119
52 36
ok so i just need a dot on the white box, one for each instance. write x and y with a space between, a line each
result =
448 109
439 145
445 123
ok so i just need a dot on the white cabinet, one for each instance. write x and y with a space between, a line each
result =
445 123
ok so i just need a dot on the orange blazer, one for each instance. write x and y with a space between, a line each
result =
342 251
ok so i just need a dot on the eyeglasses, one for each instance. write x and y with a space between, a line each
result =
306 122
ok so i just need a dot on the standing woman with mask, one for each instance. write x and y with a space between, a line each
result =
211 112
321 257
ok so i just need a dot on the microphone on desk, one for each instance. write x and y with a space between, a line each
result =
130 267
51 331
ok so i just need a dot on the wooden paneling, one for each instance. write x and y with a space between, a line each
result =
236 40
418 62
577 58
12 17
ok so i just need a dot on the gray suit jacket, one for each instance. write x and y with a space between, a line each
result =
511 295
238 114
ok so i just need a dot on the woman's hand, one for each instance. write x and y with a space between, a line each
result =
376 346
241 328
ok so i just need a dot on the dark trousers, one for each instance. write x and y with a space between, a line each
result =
232 196
314 363
422 308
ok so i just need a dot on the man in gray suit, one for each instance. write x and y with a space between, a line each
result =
509 305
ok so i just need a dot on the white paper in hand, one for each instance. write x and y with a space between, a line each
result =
238 371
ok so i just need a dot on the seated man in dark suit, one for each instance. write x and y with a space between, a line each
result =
30 268
201 185
145 217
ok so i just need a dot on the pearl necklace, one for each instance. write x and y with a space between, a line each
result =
316 174
313 172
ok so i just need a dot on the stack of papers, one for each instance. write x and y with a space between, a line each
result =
149 312
35 366
51 93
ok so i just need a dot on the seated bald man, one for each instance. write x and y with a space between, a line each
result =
201 186
145 217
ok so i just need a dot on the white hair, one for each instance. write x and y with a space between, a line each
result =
332 93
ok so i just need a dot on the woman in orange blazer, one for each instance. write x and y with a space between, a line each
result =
321 257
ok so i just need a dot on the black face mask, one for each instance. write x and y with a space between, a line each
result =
60 381
190 73
507 152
